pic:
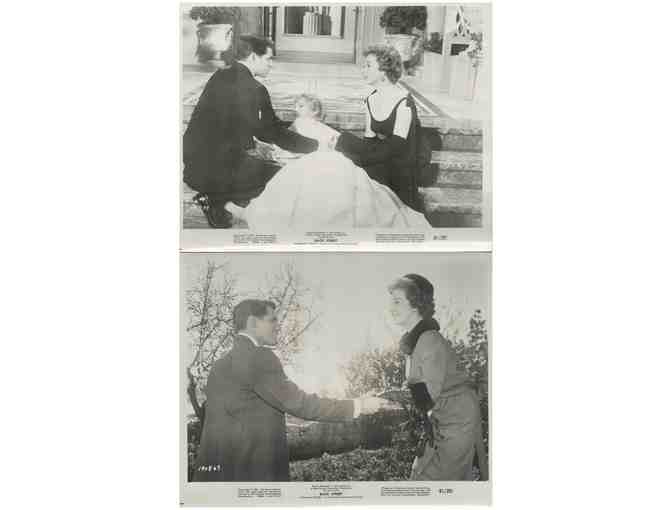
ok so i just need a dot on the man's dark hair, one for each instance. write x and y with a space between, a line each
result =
251 43
250 307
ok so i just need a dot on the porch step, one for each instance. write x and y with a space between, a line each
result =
454 200
451 191
453 169
454 216
454 140
470 179
192 215
463 201
311 57
452 207
458 160
462 210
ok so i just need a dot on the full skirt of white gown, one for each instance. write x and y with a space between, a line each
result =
325 189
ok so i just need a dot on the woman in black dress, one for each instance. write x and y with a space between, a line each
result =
389 150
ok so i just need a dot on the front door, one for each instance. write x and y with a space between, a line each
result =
317 34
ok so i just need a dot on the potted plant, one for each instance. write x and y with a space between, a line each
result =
216 30
401 24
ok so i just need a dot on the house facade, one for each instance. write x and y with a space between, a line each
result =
340 33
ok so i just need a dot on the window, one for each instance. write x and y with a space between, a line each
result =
315 21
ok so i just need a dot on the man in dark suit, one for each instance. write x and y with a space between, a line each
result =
234 108
244 436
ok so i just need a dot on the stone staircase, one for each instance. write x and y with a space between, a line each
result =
451 187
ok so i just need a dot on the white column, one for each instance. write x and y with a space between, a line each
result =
436 15
306 23
335 13
474 14
451 12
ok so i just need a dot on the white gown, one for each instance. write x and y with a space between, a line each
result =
324 189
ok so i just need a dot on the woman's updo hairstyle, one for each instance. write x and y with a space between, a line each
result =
389 60
418 291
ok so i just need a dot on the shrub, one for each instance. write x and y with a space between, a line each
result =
214 15
472 357
382 370
402 20
385 464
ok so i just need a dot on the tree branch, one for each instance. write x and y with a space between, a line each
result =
191 391
302 330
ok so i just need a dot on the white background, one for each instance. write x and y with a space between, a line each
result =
90 144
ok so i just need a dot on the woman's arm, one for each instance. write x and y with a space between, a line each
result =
403 121
368 132
429 366
270 129
369 151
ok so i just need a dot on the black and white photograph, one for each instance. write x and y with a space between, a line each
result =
369 370
323 118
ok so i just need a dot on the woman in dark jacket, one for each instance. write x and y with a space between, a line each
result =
439 389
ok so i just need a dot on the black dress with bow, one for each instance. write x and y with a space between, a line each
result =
386 157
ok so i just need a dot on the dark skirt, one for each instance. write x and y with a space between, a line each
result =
400 178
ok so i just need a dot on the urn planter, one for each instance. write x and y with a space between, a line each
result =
213 40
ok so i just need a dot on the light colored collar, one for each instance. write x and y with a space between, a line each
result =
248 336
246 66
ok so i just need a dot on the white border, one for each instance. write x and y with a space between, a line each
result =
294 493
436 239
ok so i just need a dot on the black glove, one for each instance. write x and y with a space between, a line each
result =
421 398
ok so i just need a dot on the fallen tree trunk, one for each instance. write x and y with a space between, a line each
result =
308 440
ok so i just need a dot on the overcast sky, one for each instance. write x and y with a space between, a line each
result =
354 299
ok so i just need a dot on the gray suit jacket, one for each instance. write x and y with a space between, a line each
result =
244 435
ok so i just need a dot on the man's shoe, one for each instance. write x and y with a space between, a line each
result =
242 202
218 217
215 213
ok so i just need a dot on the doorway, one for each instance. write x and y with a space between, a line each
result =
314 34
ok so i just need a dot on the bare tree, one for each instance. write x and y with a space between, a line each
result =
296 303
210 325
454 320
210 304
